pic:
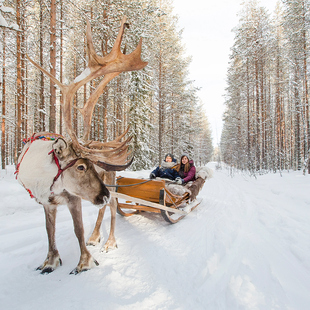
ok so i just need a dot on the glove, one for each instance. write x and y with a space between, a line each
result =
152 176
179 181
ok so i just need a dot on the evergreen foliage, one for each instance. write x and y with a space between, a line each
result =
266 121
158 103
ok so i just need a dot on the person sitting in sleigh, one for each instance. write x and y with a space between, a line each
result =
186 170
166 169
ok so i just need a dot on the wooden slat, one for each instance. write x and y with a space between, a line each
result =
138 207
147 190
145 202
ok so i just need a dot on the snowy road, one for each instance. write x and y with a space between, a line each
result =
247 246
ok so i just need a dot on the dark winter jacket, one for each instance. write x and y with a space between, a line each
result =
190 175
165 170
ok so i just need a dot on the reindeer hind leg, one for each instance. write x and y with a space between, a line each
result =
94 239
111 242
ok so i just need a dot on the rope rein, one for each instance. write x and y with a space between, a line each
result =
51 136
128 185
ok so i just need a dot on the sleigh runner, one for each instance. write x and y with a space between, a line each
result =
161 196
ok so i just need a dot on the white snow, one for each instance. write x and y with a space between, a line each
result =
246 246
83 75
5 8
3 22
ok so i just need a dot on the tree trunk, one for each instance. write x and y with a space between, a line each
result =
248 116
61 66
307 138
75 98
3 133
258 119
18 85
297 124
23 71
52 116
160 112
42 103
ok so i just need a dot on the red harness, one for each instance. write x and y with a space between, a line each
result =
45 137
37 136
60 171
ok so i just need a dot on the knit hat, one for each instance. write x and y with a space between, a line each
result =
169 155
185 154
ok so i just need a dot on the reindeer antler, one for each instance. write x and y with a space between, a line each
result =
108 155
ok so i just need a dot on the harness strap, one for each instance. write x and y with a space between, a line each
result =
31 139
60 170
46 136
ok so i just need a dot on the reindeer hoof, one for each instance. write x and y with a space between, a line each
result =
80 269
76 271
47 268
93 241
110 245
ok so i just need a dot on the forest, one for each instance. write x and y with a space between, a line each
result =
266 123
266 119
159 103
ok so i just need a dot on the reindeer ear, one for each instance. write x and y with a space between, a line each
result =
60 147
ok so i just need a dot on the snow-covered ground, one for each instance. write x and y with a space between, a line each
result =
246 246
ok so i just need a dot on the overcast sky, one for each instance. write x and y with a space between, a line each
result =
207 33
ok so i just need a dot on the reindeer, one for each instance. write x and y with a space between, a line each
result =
62 171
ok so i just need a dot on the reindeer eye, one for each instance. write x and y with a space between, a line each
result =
81 167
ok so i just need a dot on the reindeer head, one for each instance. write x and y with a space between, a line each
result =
81 179
113 155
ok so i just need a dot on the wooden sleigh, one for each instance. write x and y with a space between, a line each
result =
140 195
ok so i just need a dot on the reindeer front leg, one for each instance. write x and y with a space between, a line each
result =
52 260
86 260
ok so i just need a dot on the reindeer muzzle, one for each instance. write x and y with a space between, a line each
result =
102 199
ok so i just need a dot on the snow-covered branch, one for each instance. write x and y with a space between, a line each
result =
3 22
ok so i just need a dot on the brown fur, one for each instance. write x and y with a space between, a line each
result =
192 187
195 188
79 181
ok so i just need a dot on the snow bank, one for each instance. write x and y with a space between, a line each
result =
246 246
